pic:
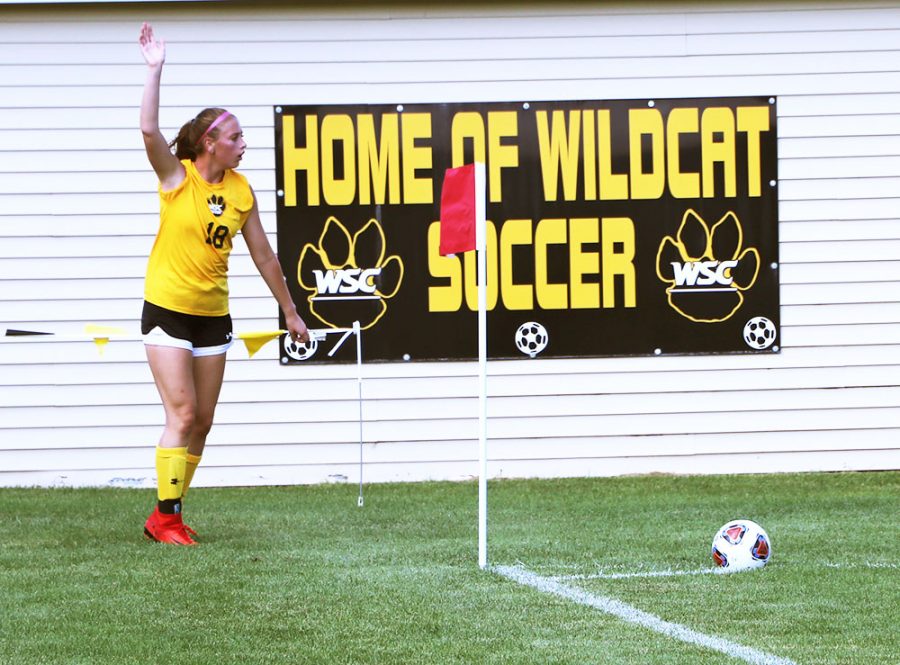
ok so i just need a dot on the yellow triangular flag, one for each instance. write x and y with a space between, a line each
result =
101 334
254 341
103 331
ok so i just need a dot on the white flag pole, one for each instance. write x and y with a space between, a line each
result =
481 250
357 332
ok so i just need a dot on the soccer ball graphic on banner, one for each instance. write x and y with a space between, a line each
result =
741 545
300 350
531 338
759 332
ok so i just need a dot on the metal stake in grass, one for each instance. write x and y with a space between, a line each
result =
356 331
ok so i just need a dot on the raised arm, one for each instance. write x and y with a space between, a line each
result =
167 167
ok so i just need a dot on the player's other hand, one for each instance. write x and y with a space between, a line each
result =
297 328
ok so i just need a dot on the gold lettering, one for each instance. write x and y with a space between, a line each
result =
472 272
559 153
379 160
613 186
582 231
718 120
754 120
466 125
501 124
338 129
590 156
446 298
548 232
300 159
618 230
681 121
515 296
646 122
416 126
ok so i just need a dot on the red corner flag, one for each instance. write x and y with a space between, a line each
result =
464 228
458 211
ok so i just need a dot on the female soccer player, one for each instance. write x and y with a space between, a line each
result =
204 202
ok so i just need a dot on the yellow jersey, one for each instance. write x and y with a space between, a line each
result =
188 267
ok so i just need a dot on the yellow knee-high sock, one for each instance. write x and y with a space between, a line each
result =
191 463
170 470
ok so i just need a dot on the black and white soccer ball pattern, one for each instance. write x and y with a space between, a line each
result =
300 350
759 333
531 338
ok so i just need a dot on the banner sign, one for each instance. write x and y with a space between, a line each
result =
614 227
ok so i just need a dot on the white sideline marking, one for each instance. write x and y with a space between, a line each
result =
886 565
647 573
630 614
868 564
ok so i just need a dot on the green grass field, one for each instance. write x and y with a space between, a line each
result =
301 575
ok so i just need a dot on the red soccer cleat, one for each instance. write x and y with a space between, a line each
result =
165 528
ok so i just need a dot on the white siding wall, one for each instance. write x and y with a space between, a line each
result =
79 208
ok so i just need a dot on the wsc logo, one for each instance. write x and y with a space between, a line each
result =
707 270
349 278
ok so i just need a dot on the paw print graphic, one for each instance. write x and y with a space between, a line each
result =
707 270
349 278
216 205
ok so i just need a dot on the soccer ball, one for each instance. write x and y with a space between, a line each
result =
741 545
759 332
531 338
300 350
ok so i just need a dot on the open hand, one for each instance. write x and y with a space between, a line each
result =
153 50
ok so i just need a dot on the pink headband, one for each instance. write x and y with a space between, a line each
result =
213 125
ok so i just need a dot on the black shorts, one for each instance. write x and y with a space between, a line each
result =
201 335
